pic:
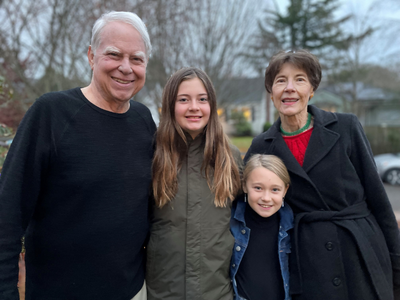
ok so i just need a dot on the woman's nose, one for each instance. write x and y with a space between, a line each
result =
289 86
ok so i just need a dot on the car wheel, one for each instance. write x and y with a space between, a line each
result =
392 176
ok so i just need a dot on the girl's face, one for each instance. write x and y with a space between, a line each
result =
192 109
265 191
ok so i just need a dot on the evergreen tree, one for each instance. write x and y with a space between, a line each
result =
307 24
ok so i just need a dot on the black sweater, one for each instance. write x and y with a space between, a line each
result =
259 275
77 181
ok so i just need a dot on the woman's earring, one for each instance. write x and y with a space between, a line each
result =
283 202
245 197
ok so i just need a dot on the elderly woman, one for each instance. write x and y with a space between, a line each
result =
346 241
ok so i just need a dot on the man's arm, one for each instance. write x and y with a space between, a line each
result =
20 182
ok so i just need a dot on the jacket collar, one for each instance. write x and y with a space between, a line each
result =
321 142
286 215
321 118
240 209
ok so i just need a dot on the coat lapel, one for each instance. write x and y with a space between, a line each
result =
322 139
321 142
279 148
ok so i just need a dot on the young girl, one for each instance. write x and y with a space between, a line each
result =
259 266
195 177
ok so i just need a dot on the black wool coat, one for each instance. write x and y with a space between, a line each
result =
346 243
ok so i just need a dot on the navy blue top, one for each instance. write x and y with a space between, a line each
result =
253 279
242 234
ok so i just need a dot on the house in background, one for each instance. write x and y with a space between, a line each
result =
378 107
247 95
375 107
326 100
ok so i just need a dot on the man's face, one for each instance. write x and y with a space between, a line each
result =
119 64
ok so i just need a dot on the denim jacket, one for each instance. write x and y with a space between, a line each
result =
242 235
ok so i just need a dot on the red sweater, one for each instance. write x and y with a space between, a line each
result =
298 144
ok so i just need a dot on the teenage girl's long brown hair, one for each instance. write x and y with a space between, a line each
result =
172 147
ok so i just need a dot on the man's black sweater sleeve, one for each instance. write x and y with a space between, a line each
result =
20 181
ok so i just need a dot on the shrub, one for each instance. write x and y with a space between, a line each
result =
242 126
266 126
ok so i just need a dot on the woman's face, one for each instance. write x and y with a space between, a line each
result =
192 109
291 91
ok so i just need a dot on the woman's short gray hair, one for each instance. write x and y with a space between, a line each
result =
301 59
122 16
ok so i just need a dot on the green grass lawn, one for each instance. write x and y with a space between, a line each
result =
242 142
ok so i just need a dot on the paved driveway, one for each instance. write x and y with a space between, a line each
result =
393 192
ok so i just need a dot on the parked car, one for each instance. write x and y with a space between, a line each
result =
389 167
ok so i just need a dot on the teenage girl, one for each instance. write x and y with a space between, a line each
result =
260 223
195 178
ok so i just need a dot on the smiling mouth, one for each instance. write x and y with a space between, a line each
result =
289 100
193 117
122 81
265 206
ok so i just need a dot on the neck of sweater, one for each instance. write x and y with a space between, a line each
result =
253 219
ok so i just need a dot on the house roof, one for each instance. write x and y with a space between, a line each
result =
325 97
364 92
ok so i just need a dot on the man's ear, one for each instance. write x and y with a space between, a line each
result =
90 55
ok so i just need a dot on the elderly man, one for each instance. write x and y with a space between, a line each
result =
77 178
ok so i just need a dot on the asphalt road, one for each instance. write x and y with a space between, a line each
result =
393 192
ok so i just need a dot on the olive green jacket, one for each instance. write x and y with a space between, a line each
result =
190 244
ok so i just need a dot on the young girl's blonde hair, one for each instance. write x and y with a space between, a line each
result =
271 163
171 146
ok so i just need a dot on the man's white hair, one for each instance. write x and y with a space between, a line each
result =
122 16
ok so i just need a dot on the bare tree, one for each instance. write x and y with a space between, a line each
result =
209 34
14 54
217 37
42 43
166 21
45 41
373 46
